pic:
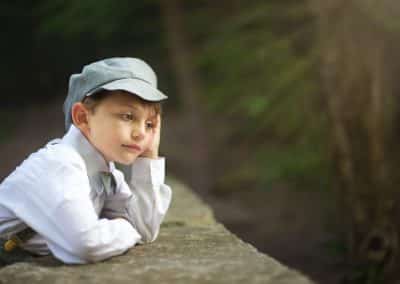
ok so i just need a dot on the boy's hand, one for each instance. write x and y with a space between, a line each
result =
152 150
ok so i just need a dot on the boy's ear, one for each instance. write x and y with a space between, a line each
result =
79 114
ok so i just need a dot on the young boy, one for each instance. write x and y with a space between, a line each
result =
69 198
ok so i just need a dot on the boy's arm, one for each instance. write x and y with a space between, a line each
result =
56 204
142 197
149 198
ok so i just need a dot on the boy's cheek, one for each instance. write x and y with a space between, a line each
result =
150 140
147 145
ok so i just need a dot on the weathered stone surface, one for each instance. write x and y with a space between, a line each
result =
192 248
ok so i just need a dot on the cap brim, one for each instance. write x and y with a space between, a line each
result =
137 87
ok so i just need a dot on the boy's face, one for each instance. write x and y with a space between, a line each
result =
121 128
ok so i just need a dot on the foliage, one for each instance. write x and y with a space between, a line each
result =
258 64
45 41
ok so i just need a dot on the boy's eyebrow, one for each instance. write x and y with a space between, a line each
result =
131 106
151 116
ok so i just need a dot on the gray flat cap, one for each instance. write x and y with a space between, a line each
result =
119 73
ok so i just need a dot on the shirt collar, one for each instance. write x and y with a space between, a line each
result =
94 160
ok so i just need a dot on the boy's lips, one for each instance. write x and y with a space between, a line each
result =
133 147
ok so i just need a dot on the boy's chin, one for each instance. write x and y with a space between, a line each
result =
126 162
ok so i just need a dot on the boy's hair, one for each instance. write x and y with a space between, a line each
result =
91 102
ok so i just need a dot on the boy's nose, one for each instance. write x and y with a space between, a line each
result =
138 132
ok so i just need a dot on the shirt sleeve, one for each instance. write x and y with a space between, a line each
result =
54 200
141 197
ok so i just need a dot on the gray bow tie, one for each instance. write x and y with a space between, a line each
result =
109 184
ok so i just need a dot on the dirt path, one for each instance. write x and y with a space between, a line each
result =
289 226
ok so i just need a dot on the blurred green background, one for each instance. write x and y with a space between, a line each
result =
255 63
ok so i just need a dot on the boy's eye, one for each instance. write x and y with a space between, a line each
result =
127 116
149 125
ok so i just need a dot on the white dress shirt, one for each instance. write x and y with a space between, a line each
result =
59 193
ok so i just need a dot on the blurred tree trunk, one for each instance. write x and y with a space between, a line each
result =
357 40
189 93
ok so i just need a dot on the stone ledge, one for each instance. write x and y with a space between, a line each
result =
191 248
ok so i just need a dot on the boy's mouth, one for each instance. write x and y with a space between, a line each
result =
133 147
